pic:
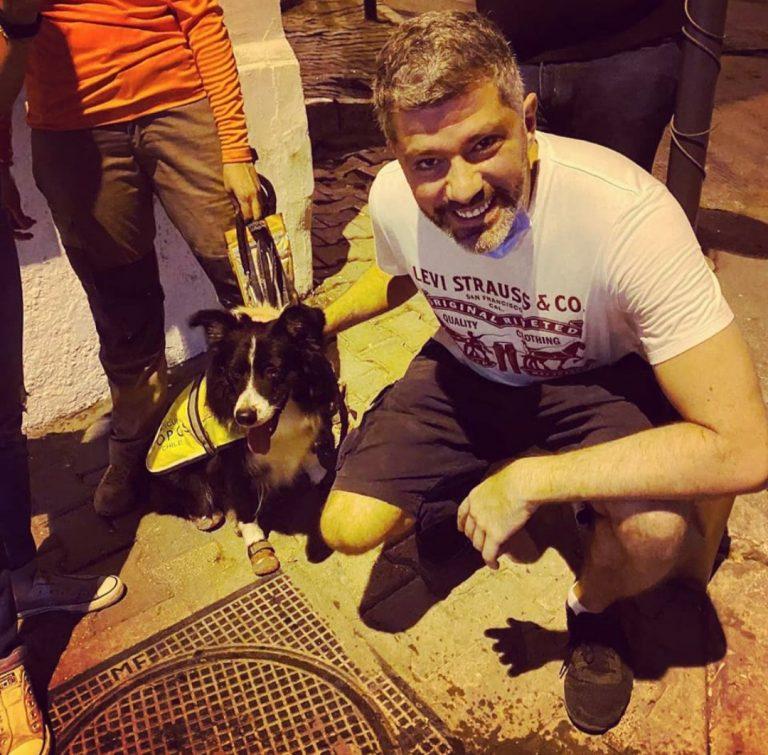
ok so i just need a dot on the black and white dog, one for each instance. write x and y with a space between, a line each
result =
273 381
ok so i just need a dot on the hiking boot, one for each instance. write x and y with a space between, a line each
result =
46 592
121 489
23 730
598 681
125 484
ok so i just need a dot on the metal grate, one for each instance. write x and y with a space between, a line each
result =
259 672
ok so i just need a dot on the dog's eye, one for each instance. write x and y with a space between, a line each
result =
271 373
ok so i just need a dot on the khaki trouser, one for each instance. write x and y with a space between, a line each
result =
100 184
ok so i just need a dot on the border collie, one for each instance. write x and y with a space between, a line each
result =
273 381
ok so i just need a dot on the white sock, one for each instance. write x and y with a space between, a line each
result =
574 604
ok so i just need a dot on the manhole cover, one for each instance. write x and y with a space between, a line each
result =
259 672
233 700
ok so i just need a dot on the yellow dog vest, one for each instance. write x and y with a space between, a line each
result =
189 431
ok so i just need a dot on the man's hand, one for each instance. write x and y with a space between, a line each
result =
20 11
494 511
242 184
10 201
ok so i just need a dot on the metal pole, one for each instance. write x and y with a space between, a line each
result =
370 10
703 31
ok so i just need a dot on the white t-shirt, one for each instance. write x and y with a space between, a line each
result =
609 266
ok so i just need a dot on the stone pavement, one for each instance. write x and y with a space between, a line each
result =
483 649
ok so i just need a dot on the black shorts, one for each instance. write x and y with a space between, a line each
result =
429 438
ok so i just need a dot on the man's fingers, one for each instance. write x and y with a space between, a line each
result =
256 210
245 209
461 516
491 553
478 539
469 526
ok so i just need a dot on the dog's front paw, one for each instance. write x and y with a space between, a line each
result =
263 559
209 522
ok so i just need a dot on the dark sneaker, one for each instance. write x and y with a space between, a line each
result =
122 489
598 681
66 592
23 730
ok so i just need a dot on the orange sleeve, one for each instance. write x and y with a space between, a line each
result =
202 23
6 148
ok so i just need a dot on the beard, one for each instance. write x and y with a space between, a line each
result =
488 239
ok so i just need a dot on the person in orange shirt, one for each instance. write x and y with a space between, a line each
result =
128 101
25 588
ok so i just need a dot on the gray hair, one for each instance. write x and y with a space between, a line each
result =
437 56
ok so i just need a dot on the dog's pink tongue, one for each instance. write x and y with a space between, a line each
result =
258 439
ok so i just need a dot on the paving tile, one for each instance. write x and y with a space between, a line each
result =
410 328
357 340
144 590
331 255
87 648
87 537
222 570
166 536
361 249
324 236
748 523
391 355
738 683
358 228
56 487
331 208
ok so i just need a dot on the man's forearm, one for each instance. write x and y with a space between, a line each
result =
677 461
203 26
374 293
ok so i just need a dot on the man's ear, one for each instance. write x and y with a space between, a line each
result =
530 107
217 324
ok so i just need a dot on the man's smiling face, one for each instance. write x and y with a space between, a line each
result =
466 161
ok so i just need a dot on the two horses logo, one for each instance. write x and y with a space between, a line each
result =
550 360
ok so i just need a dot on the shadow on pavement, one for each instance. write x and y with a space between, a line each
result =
670 626
64 473
403 585
732 232
298 512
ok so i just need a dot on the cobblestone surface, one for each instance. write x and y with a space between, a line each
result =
349 43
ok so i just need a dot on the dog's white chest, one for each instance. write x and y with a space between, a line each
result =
290 445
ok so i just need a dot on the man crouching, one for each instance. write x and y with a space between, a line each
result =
577 316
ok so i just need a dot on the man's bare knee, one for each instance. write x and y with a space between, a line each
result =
352 523
654 534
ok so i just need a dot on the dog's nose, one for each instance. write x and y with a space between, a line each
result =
245 417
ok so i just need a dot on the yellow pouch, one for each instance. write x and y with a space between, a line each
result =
269 261
189 432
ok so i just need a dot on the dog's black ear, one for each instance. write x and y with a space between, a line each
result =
217 324
301 322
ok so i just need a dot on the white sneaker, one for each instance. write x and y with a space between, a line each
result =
67 592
